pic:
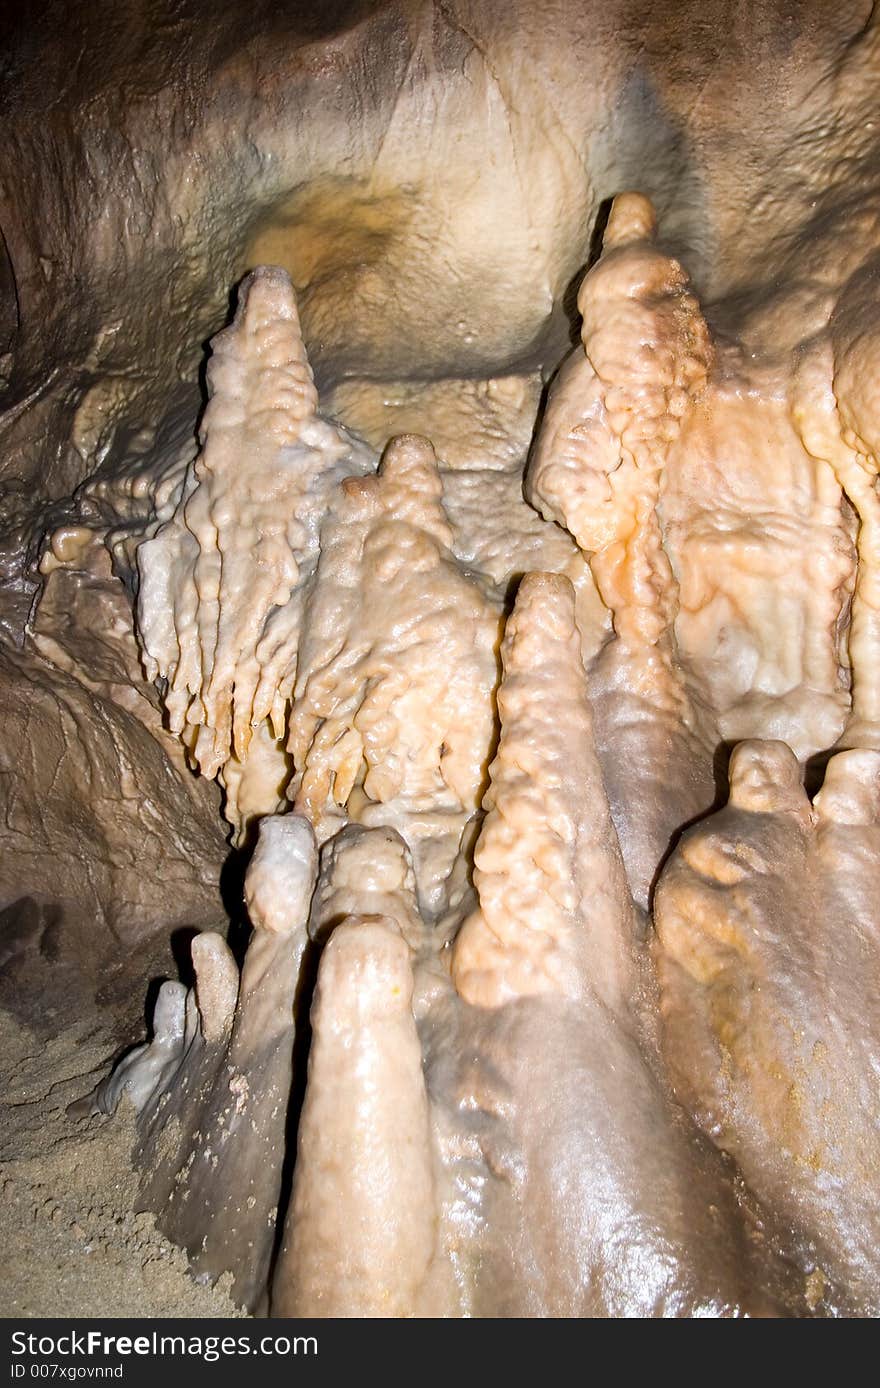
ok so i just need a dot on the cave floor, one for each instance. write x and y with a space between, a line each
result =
70 1245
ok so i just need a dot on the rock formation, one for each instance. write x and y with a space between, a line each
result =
515 597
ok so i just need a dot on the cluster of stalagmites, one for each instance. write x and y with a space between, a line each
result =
615 1068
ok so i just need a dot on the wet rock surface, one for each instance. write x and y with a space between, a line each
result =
504 592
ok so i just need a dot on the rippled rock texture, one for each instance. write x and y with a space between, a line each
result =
480 695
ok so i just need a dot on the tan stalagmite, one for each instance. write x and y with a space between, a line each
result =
217 613
362 1230
614 413
397 664
554 906
768 946
216 984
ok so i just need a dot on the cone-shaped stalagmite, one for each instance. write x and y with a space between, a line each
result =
613 415
558 1074
617 408
555 910
362 1229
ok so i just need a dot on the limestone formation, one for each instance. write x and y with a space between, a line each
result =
770 1044
513 593
555 914
221 583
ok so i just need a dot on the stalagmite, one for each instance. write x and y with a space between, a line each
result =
362 1231
561 1076
213 1087
615 413
768 931
216 984
147 1069
616 410
210 1151
555 912
373 868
